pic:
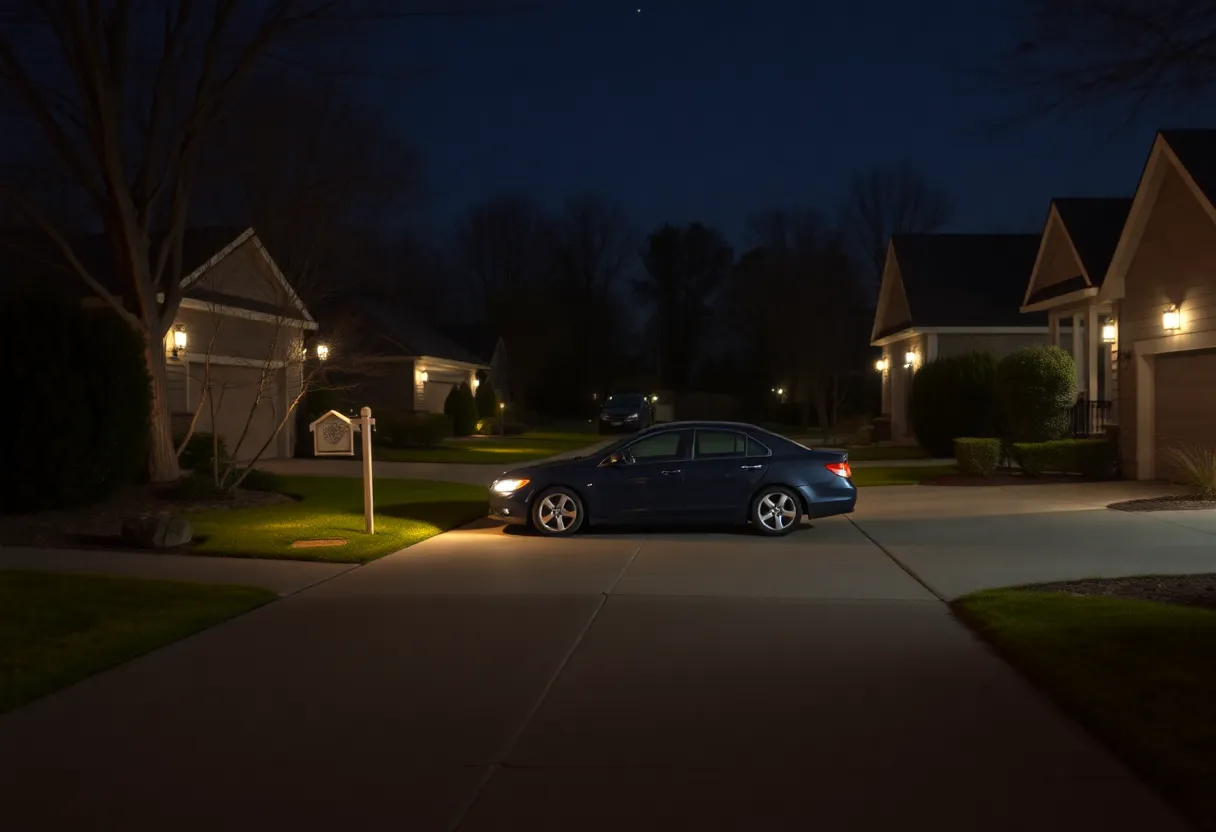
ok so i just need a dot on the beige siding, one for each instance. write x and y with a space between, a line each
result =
383 386
998 344
893 307
1185 406
897 382
240 397
244 273
1175 262
229 335
1058 262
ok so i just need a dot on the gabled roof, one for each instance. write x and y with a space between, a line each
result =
30 257
963 280
1094 226
391 330
1192 153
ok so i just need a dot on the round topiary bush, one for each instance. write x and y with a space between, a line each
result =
952 397
1037 387
78 388
464 410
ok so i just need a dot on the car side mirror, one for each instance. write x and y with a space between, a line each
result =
616 459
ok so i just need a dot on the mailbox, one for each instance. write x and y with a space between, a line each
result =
332 435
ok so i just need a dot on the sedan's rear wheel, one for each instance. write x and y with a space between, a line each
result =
557 512
776 511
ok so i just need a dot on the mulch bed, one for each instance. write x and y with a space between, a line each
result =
1002 478
103 522
1184 590
1180 502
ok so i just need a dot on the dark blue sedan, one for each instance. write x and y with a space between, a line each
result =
683 472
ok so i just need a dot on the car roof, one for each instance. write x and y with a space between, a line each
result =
741 426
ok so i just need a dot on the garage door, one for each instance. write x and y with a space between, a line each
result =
436 394
238 387
1186 403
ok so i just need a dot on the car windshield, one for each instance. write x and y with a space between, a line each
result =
623 402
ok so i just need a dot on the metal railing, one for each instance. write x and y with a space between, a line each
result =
1091 418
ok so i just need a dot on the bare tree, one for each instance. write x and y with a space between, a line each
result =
890 200
127 95
1085 52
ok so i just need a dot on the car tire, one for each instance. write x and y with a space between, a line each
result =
556 512
776 511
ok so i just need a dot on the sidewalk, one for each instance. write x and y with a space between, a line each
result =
285 577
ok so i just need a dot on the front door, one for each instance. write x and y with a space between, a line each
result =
649 484
725 469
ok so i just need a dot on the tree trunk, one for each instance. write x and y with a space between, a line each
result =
162 455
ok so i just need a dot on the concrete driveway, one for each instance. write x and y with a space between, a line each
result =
485 680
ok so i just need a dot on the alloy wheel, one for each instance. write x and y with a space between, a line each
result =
776 511
557 512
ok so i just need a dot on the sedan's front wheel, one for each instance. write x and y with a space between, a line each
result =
557 512
776 511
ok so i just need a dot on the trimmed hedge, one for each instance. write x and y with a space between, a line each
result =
493 427
462 409
76 386
487 400
1091 458
412 430
197 455
953 397
1037 387
977 456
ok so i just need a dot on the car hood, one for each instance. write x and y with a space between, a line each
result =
621 411
537 469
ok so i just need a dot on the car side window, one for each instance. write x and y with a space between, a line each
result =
720 444
663 447
757 448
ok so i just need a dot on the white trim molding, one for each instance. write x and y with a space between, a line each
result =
1062 300
1145 354
1054 221
247 314
912 332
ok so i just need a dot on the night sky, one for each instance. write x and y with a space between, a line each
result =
714 109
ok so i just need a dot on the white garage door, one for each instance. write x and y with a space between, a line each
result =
239 388
1185 385
435 396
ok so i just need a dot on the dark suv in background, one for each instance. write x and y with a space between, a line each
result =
625 413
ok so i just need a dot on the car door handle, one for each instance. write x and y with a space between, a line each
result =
751 467
671 473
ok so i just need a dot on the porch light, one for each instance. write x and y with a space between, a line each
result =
322 351
1108 332
424 376
654 399
910 358
780 391
881 365
1171 319
502 405
476 383
179 339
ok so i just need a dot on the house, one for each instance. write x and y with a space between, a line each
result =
239 331
1078 242
949 294
399 363
1160 293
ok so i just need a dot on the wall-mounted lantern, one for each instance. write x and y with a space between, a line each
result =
322 352
179 340
424 376
910 358
881 365
1108 331
476 382
1171 319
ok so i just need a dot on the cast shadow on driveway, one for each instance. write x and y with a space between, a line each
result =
648 529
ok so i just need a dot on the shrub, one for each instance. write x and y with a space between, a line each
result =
464 411
197 455
196 487
1091 458
1194 467
1036 386
953 397
487 401
259 480
76 384
977 456
412 430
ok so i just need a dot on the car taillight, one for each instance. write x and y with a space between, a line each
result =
841 469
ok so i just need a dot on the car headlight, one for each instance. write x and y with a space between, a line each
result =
507 486
632 417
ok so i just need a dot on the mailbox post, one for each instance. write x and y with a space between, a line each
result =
334 435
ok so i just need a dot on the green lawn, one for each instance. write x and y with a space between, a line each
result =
899 475
493 450
1140 675
57 629
407 511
